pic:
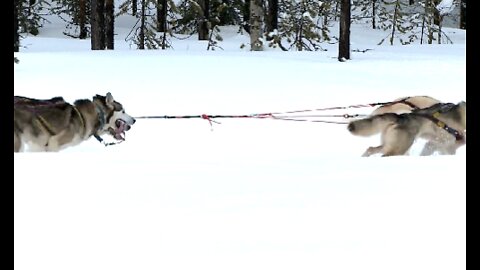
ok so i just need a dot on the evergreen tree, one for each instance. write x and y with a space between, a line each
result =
144 33
76 14
31 15
301 25
401 24
366 10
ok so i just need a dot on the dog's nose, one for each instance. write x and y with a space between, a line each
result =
134 121
351 127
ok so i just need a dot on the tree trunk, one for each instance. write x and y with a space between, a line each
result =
246 16
141 35
439 36
109 23
256 22
428 21
344 41
272 17
16 36
162 15
374 13
203 23
394 22
82 18
97 22
134 7
463 14
436 13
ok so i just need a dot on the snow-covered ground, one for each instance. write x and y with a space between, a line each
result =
246 193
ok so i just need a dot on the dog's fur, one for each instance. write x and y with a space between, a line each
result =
399 131
52 125
406 105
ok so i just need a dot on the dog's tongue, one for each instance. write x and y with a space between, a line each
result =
119 136
120 131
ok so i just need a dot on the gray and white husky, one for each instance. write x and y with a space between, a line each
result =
443 125
54 124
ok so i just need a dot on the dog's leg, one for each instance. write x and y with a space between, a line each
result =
397 142
429 148
372 150
17 142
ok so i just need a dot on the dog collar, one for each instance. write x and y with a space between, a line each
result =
101 116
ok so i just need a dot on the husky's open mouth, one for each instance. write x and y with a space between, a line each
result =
119 131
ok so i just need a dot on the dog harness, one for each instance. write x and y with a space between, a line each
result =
405 101
444 107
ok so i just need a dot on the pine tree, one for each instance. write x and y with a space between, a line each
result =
303 25
30 15
144 33
366 10
401 24
75 13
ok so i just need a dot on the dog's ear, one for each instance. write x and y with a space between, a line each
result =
109 100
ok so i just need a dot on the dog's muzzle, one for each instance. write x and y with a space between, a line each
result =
120 128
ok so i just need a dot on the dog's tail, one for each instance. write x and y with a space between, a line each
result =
372 125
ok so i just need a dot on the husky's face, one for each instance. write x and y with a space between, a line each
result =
117 121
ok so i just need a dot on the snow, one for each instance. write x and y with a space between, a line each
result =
445 7
245 193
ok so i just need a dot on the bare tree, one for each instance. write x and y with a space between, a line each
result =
344 41
256 23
